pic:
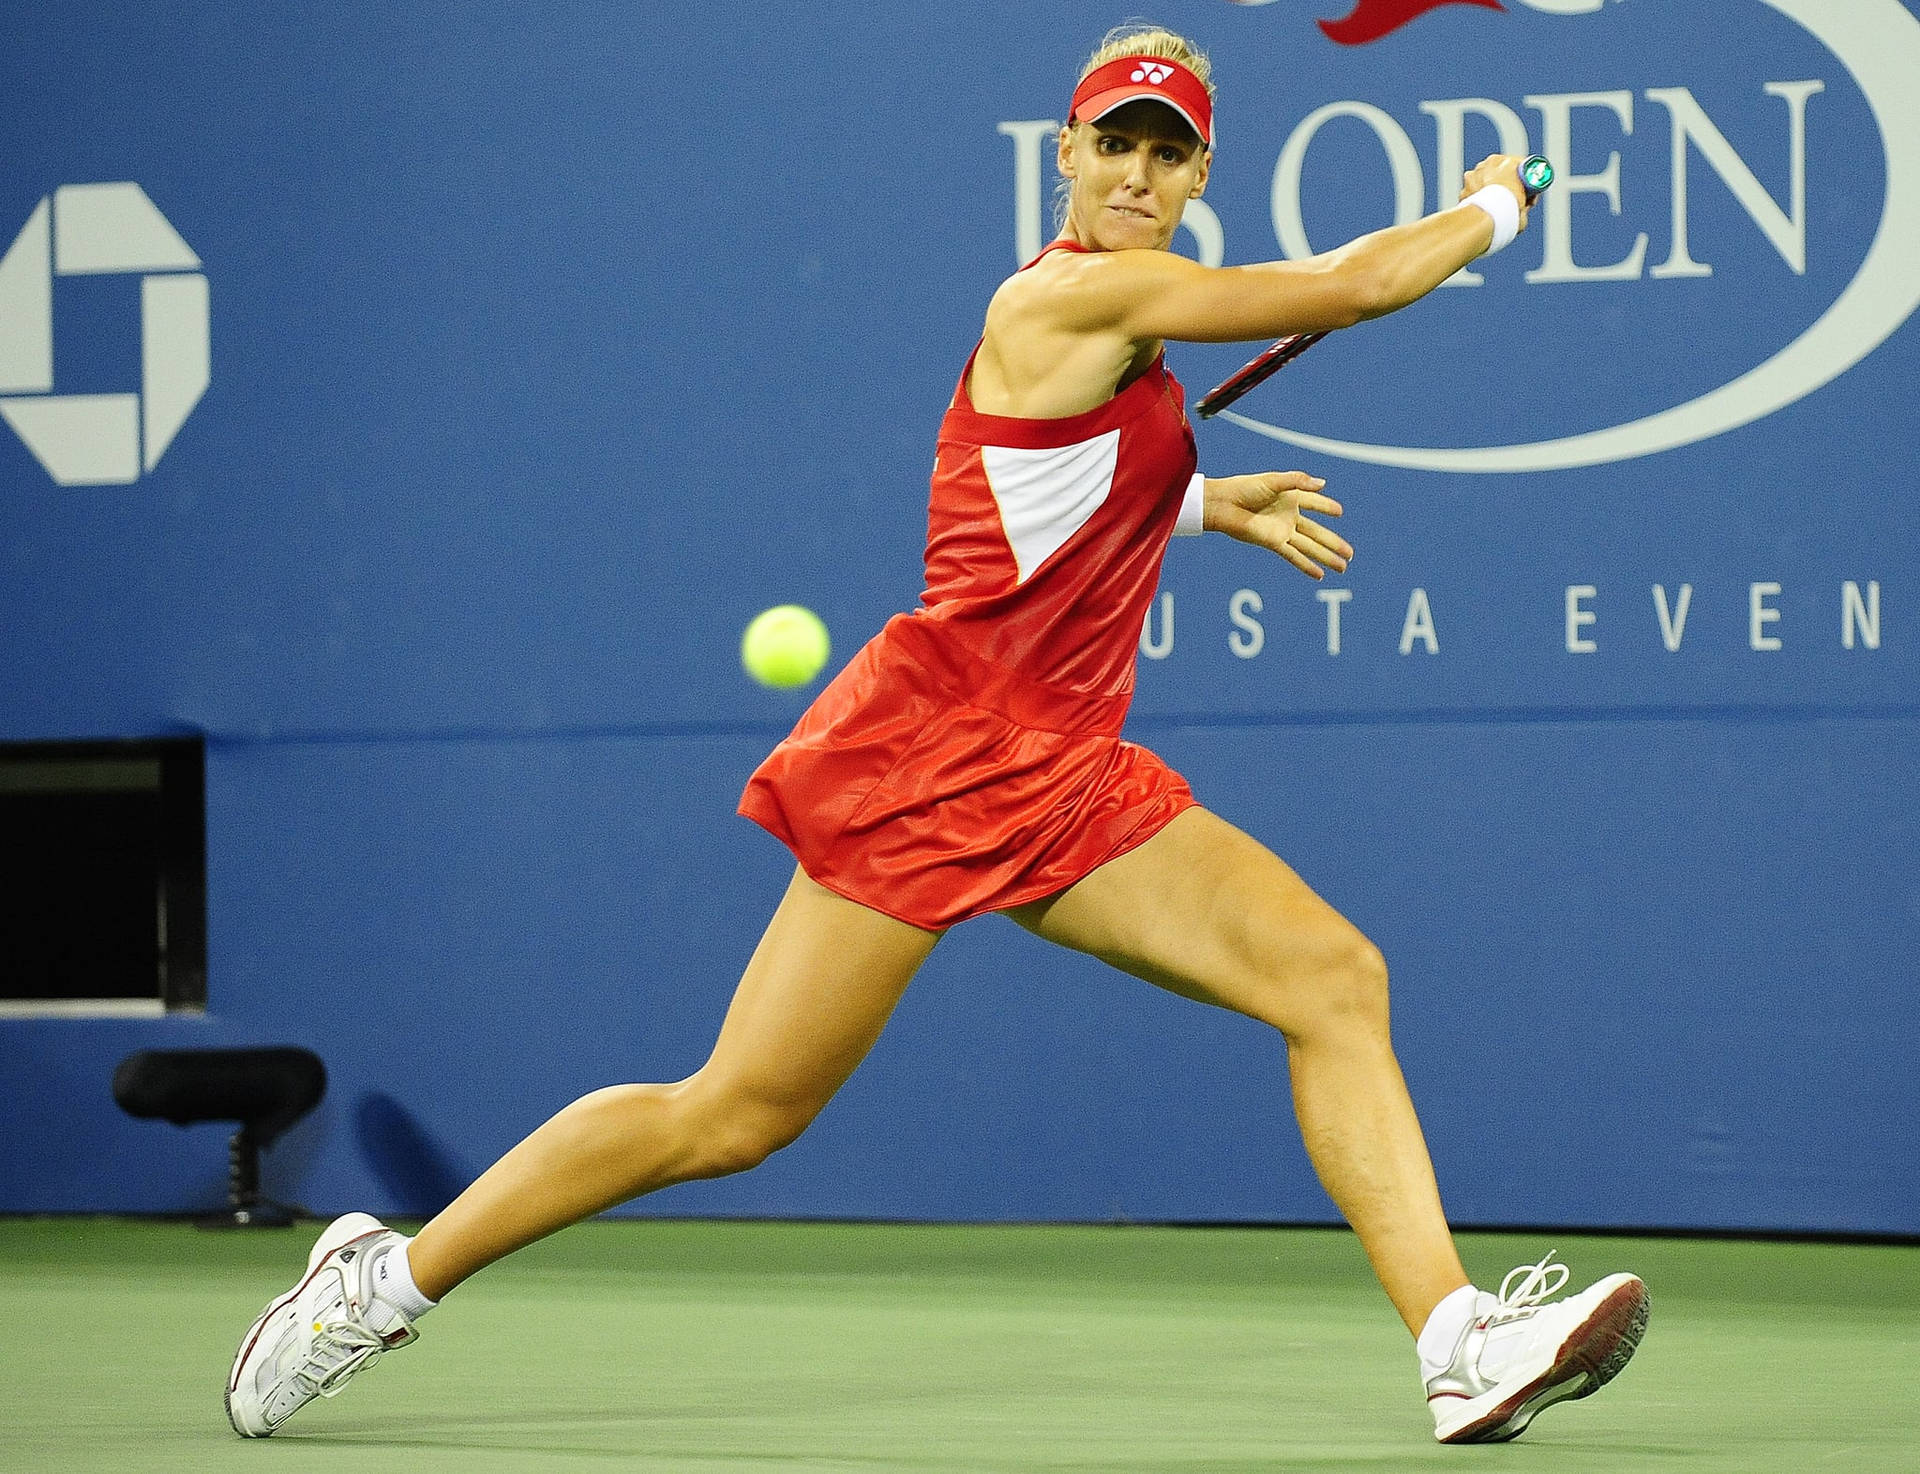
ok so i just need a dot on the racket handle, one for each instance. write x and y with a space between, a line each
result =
1536 176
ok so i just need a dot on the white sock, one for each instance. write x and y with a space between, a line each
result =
1441 1335
395 1294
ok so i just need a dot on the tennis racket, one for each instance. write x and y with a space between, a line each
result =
1535 175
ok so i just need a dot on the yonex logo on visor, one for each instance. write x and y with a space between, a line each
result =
1128 78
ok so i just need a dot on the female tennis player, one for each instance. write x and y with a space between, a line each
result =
969 760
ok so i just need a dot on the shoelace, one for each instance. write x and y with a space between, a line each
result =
350 1344
1537 1283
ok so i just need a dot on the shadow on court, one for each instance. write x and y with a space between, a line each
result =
416 1171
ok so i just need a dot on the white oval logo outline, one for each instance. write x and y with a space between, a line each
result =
1880 47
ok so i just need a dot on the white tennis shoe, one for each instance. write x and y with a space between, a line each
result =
1519 1356
312 1339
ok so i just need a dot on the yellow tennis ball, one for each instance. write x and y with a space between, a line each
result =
785 646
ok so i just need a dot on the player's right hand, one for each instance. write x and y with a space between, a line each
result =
1499 169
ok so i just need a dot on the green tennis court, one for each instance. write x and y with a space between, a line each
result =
732 1346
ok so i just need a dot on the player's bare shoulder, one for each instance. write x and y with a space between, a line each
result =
1034 293
1058 339
1081 291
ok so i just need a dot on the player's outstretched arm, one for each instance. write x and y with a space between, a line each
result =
1155 294
1269 510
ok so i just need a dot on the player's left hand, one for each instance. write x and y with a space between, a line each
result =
1268 510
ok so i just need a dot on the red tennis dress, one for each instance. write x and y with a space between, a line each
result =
969 758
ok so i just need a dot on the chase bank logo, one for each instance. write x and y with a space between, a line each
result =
102 229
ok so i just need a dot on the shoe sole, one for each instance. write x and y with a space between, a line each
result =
1591 1356
341 1232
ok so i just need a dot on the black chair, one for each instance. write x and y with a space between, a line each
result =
264 1090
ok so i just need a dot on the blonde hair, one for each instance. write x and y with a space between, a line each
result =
1143 38
1136 38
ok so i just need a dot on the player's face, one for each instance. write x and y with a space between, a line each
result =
1133 173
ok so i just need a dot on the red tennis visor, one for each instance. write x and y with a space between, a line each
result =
1129 78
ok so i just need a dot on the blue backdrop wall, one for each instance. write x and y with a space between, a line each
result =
418 402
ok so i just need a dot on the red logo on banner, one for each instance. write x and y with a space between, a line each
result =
1373 19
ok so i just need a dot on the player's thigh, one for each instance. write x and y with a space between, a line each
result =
816 994
1209 912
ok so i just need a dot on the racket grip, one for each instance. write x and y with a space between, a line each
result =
1536 176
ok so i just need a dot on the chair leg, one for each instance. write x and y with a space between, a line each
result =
246 1208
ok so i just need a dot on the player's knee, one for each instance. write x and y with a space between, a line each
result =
734 1131
1339 986
736 1148
1354 983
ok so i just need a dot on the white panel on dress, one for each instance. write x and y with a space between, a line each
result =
1046 496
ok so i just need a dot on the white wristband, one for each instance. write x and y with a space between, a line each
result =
1193 509
1503 209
